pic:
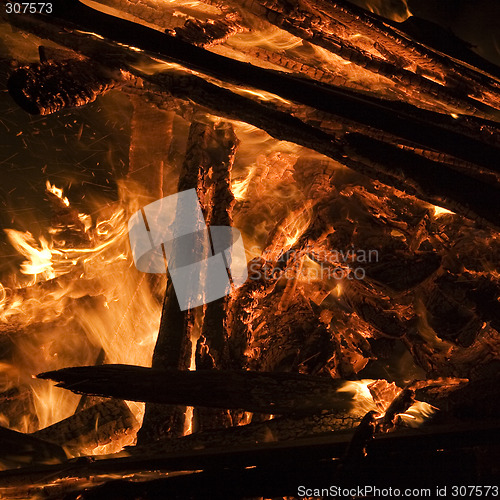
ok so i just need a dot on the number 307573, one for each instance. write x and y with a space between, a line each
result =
28 8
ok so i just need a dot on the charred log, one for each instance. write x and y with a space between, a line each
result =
276 393
42 89
94 426
385 460
173 346
205 34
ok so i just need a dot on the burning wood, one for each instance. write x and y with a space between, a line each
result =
88 429
43 89
267 392
20 449
320 308
384 161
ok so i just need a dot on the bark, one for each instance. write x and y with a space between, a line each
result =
422 445
361 109
275 430
94 426
173 346
267 392
211 349
21 449
206 34
43 89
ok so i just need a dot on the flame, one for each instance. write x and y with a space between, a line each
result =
51 188
362 398
397 10
38 254
417 414
295 225
240 187
438 211
80 297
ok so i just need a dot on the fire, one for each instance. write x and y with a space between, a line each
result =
396 10
51 188
438 211
39 255
80 296
417 414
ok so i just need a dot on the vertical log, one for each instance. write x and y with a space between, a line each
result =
173 346
211 348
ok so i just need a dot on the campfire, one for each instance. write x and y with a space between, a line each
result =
337 162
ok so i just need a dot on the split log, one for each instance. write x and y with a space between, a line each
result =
95 426
211 348
399 405
358 108
275 393
208 33
164 15
275 430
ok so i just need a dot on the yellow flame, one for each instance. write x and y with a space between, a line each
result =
97 301
362 398
438 211
51 188
293 229
417 414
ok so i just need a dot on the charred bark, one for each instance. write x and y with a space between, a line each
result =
211 348
43 89
21 449
94 426
173 346
275 393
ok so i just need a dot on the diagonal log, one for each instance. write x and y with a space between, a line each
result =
18 449
211 348
173 346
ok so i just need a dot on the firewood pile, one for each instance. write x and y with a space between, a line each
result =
359 159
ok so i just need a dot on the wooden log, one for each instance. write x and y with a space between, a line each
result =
274 430
95 426
340 39
333 445
355 107
42 89
211 348
173 345
399 405
275 393
208 33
